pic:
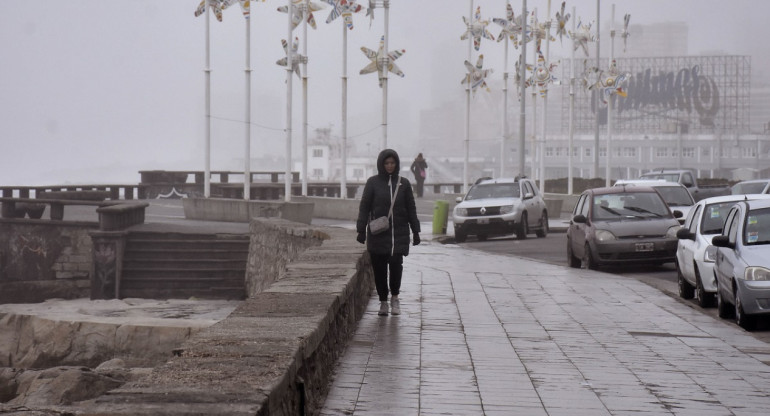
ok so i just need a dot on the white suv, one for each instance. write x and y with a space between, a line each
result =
502 206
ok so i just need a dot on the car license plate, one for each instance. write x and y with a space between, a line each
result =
645 246
483 220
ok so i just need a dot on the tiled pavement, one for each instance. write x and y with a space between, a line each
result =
484 334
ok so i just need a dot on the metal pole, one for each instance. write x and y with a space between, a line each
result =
523 96
534 156
608 170
289 60
468 109
343 181
505 103
596 97
545 97
571 108
386 65
305 13
207 150
247 150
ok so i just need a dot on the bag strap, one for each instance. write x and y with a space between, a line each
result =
393 196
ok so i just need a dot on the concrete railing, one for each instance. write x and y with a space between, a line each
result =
275 353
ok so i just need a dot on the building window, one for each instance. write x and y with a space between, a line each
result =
661 151
749 152
705 151
317 173
629 151
588 152
688 152
318 152
575 151
602 152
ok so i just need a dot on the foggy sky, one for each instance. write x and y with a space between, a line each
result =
92 91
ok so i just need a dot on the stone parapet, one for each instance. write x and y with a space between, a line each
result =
275 353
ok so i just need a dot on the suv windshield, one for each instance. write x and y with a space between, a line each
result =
493 190
748 188
626 205
675 195
670 177
757 227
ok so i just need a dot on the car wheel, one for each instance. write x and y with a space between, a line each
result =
723 308
588 259
573 261
704 298
744 321
482 237
543 230
523 230
460 236
685 288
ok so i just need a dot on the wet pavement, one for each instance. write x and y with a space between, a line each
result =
485 334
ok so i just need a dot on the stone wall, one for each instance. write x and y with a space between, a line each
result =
39 261
274 244
275 353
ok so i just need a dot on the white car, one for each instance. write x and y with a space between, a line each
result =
695 256
753 186
676 195
494 207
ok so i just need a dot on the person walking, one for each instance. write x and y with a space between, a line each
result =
387 194
418 169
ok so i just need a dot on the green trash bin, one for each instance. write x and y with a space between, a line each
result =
440 217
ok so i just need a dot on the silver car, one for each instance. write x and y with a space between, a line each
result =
494 207
695 255
621 225
742 266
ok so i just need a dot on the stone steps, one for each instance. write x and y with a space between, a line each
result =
162 265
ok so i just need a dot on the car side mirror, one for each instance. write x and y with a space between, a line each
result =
529 195
678 214
459 199
685 234
721 241
580 219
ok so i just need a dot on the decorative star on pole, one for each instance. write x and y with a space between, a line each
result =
216 6
344 8
296 58
511 27
476 76
539 31
625 34
378 61
477 28
298 11
542 75
582 36
370 11
609 82
561 21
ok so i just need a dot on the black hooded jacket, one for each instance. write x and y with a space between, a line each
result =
375 202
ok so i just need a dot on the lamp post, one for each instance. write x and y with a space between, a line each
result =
289 61
468 107
571 108
522 85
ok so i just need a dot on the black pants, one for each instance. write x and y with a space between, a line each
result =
419 187
380 264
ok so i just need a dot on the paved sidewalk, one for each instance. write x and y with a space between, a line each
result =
484 334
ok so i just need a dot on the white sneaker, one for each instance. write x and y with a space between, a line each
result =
383 309
395 307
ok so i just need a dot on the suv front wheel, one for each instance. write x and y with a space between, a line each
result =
523 229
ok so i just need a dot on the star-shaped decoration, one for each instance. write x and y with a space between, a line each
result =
344 8
542 75
216 7
625 34
561 21
378 61
476 76
511 27
582 36
477 29
610 82
300 8
296 58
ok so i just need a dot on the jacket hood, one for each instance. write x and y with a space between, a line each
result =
381 162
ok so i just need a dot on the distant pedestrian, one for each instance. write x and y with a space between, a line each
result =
388 248
419 170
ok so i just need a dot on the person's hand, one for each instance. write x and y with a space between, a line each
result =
361 238
415 239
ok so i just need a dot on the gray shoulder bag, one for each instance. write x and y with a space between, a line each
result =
381 224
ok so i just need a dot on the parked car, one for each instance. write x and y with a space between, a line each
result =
494 207
675 194
688 178
742 266
695 255
621 225
753 186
